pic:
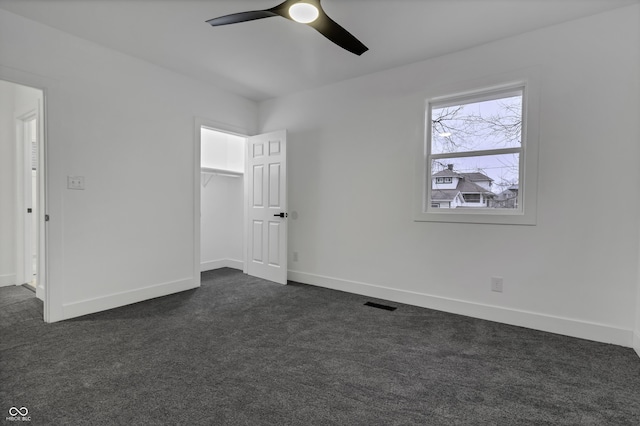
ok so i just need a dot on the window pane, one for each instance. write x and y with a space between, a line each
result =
488 181
477 126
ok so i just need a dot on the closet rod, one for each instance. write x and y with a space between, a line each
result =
220 172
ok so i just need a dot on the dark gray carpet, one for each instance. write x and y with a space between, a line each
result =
242 351
18 305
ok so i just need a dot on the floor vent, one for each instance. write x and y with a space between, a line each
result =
379 306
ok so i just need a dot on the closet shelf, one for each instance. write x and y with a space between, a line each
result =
220 172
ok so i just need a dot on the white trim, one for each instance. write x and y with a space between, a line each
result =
40 294
221 263
235 264
197 208
549 323
116 300
473 96
221 127
245 208
526 213
7 280
636 342
482 153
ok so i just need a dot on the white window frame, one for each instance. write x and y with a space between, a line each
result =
525 213
443 180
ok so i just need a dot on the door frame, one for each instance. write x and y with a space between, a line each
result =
48 247
44 289
201 122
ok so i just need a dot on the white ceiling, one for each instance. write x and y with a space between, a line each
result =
274 57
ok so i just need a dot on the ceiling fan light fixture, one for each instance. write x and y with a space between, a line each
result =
304 13
308 12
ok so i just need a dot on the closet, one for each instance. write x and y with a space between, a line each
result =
222 161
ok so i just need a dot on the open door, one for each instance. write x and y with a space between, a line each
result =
267 206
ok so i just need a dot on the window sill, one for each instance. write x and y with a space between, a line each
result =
489 217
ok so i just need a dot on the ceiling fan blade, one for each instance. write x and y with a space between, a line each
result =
240 17
334 32
323 24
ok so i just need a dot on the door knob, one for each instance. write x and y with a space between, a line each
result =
282 215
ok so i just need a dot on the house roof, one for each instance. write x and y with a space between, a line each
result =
476 177
447 173
470 187
444 194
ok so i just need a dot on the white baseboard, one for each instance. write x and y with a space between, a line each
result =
116 300
40 291
212 264
636 342
235 264
7 280
553 324
221 263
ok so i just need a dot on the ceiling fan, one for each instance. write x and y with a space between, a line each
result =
306 12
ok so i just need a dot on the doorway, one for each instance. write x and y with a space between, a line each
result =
241 202
222 188
22 183
27 142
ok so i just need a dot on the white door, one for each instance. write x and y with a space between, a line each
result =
267 206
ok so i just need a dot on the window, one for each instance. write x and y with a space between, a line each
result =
479 138
471 198
444 180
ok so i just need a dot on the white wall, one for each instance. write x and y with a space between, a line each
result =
128 127
351 180
222 150
213 235
222 208
7 185
27 100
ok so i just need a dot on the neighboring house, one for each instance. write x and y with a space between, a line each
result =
507 199
450 189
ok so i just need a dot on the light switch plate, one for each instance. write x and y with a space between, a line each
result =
75 182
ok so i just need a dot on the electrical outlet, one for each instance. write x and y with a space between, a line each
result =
75 182
295 256
496 284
